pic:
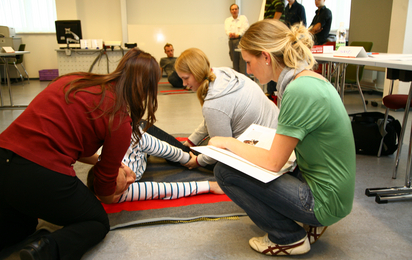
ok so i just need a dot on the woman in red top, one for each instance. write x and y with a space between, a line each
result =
68 122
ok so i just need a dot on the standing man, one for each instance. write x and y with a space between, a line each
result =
294 13
320 26
168 65
273 10
235 27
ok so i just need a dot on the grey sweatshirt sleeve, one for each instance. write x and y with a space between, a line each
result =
199 134
218 124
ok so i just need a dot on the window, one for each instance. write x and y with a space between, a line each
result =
28 16
340 12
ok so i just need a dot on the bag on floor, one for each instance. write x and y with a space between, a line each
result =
368 131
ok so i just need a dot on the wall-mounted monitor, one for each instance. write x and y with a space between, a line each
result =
68 29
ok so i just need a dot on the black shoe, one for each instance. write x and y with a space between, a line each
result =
37 250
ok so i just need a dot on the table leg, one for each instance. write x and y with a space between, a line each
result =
337 76
342 88
385 195
329 72
12 106
6 65
1 94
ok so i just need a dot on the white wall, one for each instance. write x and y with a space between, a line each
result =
42 55
185 24
100 19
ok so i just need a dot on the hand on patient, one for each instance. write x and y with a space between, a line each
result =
192 164
125 177
188 144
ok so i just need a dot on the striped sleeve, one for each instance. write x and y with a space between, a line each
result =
163 190
153 146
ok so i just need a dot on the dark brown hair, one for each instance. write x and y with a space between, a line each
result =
167 45
133 83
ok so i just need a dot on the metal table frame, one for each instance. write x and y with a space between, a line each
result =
4 58
404 64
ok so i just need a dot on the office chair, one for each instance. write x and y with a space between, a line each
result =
18 60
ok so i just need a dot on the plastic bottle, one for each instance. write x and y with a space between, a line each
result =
340 37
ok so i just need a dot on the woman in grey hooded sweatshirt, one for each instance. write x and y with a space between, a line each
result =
230 101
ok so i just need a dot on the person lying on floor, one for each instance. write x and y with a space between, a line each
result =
128 188
160 144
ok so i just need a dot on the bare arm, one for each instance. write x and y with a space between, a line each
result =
277 15
315 28
273 160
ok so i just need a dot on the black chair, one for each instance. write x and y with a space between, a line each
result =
18 60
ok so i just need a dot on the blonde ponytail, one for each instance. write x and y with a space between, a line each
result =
286 46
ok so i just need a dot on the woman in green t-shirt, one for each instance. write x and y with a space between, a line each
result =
312 122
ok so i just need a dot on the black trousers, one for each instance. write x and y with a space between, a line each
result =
239 63
29 191
175 80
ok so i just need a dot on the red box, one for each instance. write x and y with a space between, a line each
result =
326 48
317 49
48 74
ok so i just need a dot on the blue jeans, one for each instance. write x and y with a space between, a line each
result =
273 207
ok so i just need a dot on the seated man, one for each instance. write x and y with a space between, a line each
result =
168 65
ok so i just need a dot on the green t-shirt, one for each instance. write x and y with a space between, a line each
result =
273 6
312 111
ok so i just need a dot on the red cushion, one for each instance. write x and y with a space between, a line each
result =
395 101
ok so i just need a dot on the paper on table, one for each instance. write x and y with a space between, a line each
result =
6 49
398 57
261 137
350 52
